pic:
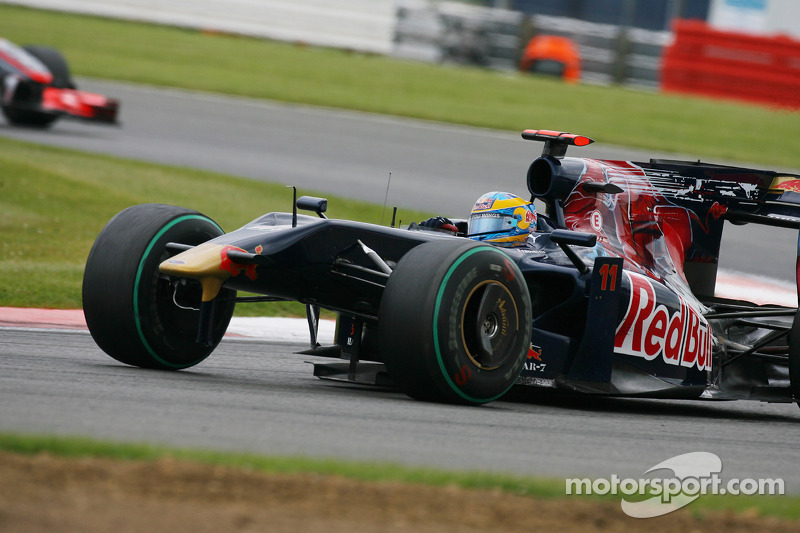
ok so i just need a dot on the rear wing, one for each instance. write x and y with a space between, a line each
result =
750 196
747 196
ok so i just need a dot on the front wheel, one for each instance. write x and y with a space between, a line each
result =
28 118
137 315
455 322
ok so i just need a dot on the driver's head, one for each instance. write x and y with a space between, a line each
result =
501 218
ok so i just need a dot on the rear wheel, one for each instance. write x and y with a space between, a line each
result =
455 322
135 314
55 63
794 358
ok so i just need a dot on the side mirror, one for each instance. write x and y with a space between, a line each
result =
575 238
312 203
564 238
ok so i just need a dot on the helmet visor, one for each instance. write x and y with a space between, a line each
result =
485 223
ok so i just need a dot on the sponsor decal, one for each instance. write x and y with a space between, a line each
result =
351 335
508 269
501 305
786 183
235 268
481 205
453 322
535 354
596 220
463 375
650 330
530 366
525 217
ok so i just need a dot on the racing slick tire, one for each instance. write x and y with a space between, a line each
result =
131 308
794 358
455 322
57 65
28 118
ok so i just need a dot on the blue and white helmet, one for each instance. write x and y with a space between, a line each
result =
502 218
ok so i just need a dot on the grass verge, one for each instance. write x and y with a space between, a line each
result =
229 64
54 202
783 507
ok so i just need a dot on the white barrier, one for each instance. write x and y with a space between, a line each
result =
364 25
426 30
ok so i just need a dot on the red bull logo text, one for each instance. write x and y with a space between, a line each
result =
649 329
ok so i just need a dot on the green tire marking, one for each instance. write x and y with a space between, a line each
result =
439 358
146 253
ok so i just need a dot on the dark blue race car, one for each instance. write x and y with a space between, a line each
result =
609 291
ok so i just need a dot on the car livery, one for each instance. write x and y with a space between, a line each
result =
612 294
652 328
36 89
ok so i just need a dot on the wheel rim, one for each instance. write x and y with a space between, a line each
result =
489 320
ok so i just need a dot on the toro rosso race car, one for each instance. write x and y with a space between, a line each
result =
609 292
36 89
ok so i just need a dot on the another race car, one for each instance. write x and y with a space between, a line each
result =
609 292
36 89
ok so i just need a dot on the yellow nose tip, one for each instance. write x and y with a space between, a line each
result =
201 263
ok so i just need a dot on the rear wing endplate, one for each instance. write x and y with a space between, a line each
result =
556 142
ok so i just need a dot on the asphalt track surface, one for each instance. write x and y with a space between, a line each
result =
259 397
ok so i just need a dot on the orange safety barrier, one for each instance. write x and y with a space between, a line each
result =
707 61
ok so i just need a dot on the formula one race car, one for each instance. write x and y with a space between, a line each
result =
612 293
36 89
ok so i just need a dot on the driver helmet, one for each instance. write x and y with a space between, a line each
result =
501 217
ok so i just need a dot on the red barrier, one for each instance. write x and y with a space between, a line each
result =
707 61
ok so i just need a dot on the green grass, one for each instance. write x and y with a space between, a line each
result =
506 101
54 202
364 471
784 507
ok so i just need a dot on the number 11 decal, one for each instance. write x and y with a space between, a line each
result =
608 272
